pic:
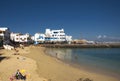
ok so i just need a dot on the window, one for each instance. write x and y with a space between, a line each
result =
55 32
61 31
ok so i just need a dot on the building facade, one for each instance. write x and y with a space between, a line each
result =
20 38
52 36
39 38
4 33
55 35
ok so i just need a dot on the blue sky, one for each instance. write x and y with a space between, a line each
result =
79 18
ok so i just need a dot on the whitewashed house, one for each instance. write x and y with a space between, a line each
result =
39 38
20 38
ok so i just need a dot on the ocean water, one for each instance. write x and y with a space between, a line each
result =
105 60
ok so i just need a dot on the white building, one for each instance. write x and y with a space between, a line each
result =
56 35
39 38
4 33
52 36
90 42
18 37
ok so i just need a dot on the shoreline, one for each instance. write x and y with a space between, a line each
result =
86 67
43 67
95 70
54 73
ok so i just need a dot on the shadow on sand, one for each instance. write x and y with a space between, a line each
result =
3 57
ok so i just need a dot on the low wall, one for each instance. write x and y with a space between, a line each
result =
81 45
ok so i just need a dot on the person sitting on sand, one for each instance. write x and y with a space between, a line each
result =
19 75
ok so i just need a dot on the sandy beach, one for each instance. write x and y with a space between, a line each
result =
40 67
10 61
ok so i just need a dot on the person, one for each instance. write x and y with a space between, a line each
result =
18 75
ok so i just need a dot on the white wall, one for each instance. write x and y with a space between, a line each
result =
52 36
17 37
56 35
39 37
5 33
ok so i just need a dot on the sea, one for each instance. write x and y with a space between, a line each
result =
102 60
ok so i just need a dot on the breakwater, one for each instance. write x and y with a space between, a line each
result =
81 45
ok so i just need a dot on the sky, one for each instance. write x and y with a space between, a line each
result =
82 19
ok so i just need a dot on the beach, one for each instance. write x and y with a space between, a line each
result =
42 67
10 61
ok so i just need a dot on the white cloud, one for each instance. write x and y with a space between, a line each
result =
104 36
99 36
